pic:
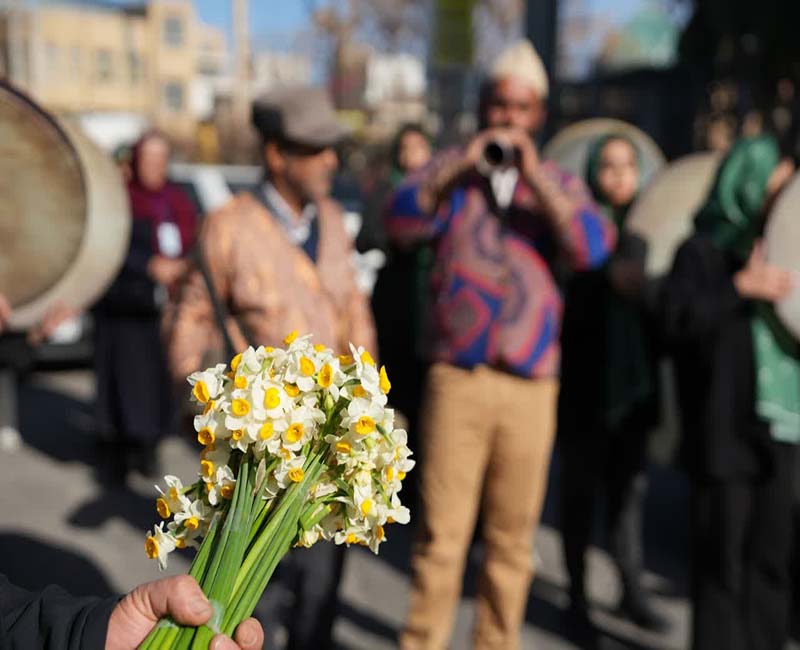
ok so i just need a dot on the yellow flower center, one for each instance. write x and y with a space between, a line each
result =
163 508
151 547
401 476
325 378
209 407
307 366
390 520
180 543
236 361
173 493
200 392
209 487
365 425
384 382
192 523
345 359
351 538
265 433
272 398
207 468
285 453
296 474
240 407
366 357
240 382
358 391
344 447
366 506
319 347
291 390
389 473
290 337
380 533
238 434
205 436
294 432
226 491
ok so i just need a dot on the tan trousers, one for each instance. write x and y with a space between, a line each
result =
486 438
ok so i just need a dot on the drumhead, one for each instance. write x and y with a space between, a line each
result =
64 212
783 249
663 214
42 199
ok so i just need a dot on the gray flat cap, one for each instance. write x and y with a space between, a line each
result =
298 114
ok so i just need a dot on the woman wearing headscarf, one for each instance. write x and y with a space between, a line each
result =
133 397
608 397
739 389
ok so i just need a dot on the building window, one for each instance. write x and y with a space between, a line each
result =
136 67
52 58
173 96
173 31
103 65
75 60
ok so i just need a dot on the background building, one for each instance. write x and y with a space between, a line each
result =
114 67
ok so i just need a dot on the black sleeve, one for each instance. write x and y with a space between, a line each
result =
698 294
52 619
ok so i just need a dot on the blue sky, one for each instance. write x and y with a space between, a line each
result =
271 21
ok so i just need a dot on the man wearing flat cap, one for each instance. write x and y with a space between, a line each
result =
279 259
501 223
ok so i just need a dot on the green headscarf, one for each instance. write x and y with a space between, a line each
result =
594 160
732 218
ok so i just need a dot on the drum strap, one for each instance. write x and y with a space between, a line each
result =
221 313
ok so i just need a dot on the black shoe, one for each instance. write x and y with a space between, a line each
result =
639 610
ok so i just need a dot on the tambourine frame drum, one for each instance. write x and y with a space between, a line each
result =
783 249
64 212
570 146
663 215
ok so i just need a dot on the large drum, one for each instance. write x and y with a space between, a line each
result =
64 215
570 146
663 214
783 249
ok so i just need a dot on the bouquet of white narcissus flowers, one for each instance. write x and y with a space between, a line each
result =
298 446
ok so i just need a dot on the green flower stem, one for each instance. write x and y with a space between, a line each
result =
228 556
313 514
272 544
244 601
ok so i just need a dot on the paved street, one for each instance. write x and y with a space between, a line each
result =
59 525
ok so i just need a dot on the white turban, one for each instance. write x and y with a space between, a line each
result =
521 61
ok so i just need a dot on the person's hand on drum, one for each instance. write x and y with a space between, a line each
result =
166 270
760 280
54 316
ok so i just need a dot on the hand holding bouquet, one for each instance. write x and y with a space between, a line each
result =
298 446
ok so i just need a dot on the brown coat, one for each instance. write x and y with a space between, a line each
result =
270 285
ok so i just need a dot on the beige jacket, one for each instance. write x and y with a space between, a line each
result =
270 285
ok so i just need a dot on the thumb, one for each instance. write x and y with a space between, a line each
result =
135 616
179 597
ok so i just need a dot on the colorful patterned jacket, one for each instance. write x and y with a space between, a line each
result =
495 298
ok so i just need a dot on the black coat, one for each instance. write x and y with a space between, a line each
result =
707 325
51 619
609 354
